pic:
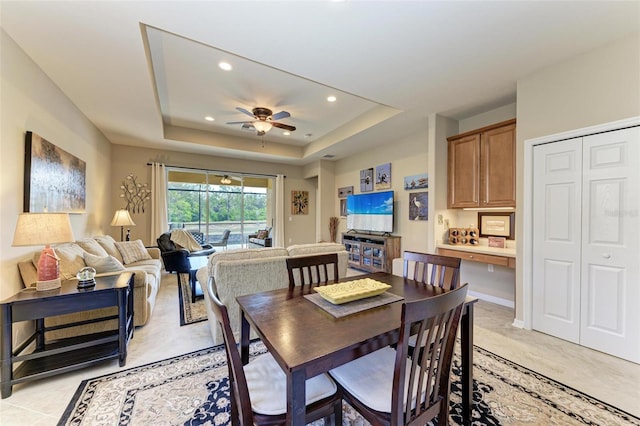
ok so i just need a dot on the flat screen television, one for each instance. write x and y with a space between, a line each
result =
372 212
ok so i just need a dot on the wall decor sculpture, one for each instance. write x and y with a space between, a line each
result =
135 194
54 180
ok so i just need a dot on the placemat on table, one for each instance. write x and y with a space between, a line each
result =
349 308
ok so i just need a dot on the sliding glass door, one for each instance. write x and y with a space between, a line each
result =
208 203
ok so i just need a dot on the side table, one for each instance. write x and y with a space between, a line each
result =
64 355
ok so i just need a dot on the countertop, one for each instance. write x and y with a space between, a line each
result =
507 252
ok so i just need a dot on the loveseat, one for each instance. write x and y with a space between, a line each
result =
263 238
245 271
108 257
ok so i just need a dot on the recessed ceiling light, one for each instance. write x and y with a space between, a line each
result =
286 133
225 66
331 98
308 135
209 118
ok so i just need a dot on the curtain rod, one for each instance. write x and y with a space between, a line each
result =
216 171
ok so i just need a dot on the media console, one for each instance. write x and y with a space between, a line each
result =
372 253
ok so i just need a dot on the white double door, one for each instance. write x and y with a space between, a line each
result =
586 241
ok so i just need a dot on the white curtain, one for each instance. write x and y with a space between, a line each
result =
159 210
279 210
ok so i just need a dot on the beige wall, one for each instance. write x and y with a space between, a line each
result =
132 160
30 101
408 156
594 88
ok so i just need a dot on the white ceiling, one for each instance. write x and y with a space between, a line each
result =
145 72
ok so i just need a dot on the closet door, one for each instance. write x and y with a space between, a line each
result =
556 238
610 290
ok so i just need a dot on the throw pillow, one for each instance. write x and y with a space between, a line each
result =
132 251
109 245
262 234
90 245
103 263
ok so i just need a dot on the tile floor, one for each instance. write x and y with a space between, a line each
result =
607 378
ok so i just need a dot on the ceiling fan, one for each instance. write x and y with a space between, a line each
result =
264 120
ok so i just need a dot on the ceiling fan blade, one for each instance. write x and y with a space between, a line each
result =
245 111
247 125
283 126
279 115
238 122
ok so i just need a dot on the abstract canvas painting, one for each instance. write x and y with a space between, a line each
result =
54 180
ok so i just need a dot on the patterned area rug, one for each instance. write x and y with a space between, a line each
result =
190 312
193 389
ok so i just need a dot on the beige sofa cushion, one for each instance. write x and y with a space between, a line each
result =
71 259
311 249
90 245
109 245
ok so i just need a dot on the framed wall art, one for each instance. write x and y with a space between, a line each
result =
345 191
416 182
418 205
299 202
54 180
383 176
366 180
494 224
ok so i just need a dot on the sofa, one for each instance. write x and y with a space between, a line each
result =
107 257
263 238
238 272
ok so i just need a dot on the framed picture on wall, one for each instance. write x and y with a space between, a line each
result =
383 176
54 180
299 202
345 191
495 224
366 180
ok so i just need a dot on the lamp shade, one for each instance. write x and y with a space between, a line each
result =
35 229
122 218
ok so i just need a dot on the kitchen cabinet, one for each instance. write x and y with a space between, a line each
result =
482 167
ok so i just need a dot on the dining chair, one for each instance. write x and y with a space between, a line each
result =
441 271
259 389
310 270
392 387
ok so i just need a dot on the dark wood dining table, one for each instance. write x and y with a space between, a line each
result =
305 340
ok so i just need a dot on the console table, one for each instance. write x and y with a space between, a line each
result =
64 355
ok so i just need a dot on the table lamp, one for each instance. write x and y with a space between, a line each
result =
122 218
35 229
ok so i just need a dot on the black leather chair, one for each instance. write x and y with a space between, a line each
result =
177 260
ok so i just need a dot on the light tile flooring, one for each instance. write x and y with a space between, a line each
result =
604 377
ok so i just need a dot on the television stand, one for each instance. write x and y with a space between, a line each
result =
371 253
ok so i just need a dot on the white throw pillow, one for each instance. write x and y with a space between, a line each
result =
132 251
103 263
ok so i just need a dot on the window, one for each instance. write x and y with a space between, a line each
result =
207 203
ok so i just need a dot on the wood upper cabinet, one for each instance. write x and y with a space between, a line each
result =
482 167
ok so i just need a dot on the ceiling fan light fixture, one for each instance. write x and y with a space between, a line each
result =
225 180
262 127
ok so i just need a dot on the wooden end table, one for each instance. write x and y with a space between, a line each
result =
64 355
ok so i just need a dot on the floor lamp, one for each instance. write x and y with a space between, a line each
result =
122 218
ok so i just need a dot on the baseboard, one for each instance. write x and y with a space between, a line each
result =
517 323
493 299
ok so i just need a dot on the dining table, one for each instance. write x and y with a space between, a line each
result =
307 340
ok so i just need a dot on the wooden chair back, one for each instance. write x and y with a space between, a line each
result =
312 270
440 271
428 373
241 412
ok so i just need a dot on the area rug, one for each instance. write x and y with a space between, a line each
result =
193 389
190 312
